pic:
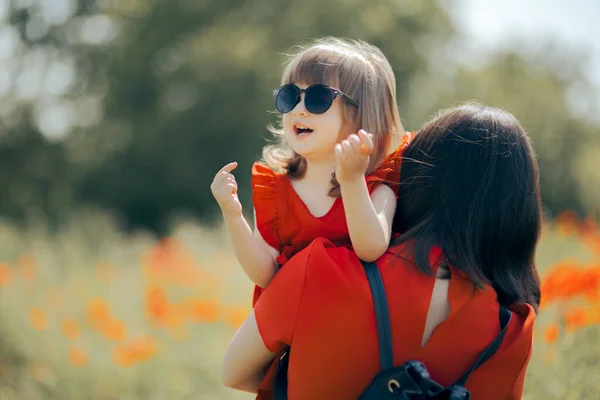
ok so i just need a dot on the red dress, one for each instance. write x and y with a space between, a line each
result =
320 305
285 222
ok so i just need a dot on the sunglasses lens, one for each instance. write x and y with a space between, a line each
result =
318 99
287 98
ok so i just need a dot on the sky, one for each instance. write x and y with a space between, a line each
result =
491 25
575 23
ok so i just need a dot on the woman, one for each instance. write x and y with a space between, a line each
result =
469 211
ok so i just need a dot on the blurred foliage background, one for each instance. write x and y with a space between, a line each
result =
133 105
114 117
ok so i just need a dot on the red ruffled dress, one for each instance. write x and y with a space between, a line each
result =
286 224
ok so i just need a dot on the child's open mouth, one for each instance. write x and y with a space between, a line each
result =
302 130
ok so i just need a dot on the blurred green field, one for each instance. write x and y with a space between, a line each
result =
88 313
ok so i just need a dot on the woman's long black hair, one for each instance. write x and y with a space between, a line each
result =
470 185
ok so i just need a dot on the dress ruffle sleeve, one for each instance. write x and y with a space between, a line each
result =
388 171
264 198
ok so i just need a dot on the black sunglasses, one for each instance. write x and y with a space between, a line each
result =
317 98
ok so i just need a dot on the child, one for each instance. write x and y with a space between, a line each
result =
324 178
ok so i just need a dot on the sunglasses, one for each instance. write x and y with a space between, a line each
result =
317 98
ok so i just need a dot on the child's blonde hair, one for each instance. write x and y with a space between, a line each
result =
362 72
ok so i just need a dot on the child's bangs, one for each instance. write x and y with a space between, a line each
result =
315 67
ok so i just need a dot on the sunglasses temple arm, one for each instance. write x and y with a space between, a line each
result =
354 103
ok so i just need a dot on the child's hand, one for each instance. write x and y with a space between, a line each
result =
352 156
224 188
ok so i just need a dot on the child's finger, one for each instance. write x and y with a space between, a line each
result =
232 188
347 148
228 167
367 141
221 177
224 172
356 143
229 180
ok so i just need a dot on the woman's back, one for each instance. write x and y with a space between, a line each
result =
328 320
469 189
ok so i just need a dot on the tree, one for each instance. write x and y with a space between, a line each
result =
165 92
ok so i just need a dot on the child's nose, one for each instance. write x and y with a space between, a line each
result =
300 108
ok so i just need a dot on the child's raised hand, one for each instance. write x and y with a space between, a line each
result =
224 188
352 156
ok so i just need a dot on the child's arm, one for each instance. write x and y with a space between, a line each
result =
257 258
369 218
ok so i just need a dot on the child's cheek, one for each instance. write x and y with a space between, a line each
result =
286 123
346 129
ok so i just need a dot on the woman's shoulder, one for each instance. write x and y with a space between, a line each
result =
503 375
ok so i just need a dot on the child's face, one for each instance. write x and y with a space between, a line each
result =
314 136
